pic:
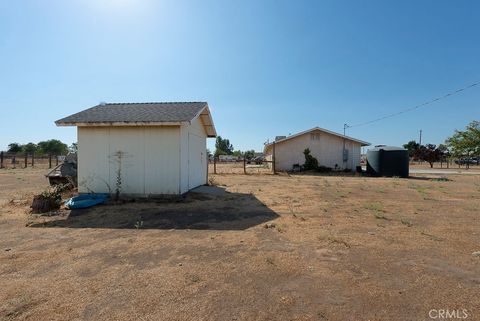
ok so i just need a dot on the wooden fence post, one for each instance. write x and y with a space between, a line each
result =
214 165
1 159
13 161
273 159
26 160
49 160
56 160
33 159
244 165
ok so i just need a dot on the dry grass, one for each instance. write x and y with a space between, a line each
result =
339 248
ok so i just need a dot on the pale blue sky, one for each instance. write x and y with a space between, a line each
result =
266 68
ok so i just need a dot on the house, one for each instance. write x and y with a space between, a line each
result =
142 149
331 149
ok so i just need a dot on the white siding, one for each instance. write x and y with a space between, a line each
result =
146 159
193 155
325 147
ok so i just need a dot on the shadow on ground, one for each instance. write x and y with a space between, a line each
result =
206 208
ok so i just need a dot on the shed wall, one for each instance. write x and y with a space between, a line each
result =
193 155
140 160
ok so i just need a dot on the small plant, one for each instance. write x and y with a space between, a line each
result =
50 199
310 161
211 181
432 237
406 222
377 207
138 224
380 216
269 260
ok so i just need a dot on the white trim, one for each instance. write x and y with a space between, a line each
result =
364 143
209 115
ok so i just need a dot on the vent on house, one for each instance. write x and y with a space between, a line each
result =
277 138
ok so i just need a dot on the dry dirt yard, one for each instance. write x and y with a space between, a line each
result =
262 247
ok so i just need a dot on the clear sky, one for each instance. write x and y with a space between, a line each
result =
265 67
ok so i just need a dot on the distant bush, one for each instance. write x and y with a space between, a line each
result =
310 161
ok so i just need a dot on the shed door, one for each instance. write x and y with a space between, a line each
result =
196 161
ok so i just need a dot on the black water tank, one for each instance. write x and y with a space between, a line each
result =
387 161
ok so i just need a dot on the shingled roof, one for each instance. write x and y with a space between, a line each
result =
158 113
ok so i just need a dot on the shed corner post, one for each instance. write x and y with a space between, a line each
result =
273 159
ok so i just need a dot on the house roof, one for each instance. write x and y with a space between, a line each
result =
142 114
363 143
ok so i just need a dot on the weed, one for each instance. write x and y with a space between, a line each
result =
406 222
335 240
269 260
138 224
212 182
375 206
380 216
432 237
441 179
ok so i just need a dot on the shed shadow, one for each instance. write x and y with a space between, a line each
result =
209 209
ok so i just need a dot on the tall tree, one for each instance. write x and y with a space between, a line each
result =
465 143
412 147
429 153
53 147
30 148
14 148
223 147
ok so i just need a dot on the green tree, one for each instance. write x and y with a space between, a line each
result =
429 153
223 147
249 154
412 147
465 143
14 148
53 147
30 148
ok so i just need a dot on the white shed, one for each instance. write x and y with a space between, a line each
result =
329 148
142 149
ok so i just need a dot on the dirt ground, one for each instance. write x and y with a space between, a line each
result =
255 247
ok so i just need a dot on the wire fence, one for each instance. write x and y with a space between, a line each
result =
240 166
24 160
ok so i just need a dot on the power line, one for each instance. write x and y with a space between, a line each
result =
414 107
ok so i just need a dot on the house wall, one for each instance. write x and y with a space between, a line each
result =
193 155
143 160
326 148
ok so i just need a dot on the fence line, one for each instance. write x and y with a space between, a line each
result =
15 159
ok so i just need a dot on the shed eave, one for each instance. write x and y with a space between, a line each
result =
121 123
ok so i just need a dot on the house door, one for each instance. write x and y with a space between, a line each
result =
197 173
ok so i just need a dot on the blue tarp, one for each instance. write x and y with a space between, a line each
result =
86 200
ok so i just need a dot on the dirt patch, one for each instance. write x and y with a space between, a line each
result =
337 248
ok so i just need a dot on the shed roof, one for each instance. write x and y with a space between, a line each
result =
363 143
138 114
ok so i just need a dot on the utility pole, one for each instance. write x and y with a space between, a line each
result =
420 143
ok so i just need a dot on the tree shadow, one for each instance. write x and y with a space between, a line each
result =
209 209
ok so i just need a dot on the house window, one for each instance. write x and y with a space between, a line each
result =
314 136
